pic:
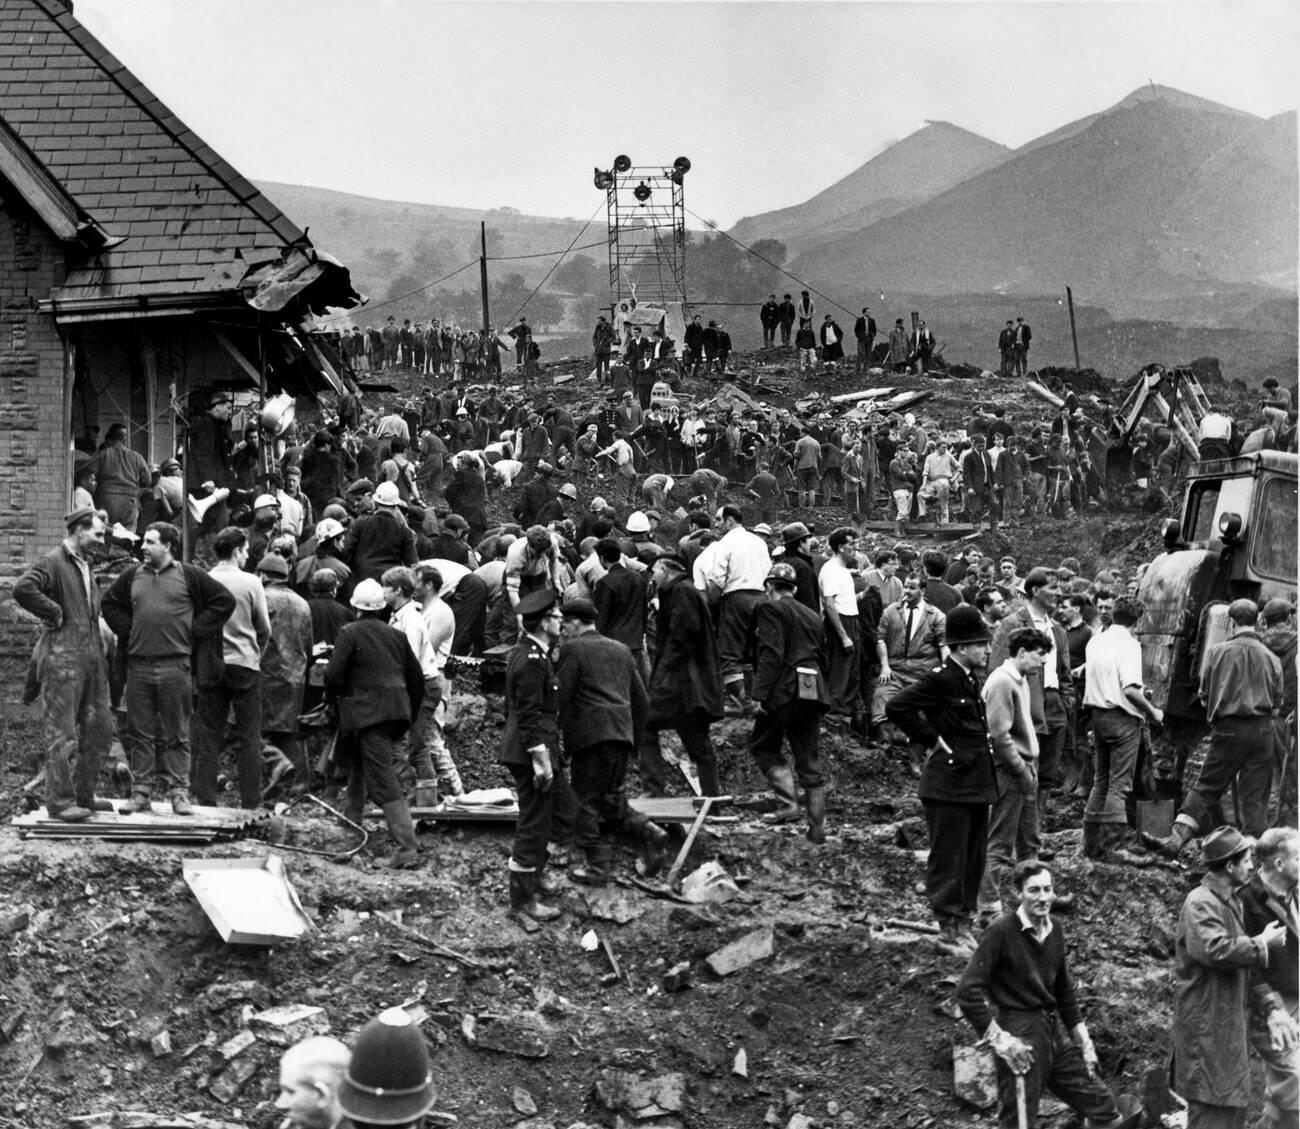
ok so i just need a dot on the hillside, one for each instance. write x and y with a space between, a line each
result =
922 165
1110 210
364 233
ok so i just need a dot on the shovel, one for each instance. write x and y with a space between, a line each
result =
1022 1109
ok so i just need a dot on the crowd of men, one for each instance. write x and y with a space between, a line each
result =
346 566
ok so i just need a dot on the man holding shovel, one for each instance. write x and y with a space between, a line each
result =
1019 972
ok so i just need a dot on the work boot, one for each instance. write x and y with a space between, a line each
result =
655 849
782 780
816 801
94 803
523 896
596 871
70 813
402 830
1171 846
140 801
951 943
181 803
1092 839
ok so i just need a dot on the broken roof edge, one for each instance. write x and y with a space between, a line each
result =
203 154
38 187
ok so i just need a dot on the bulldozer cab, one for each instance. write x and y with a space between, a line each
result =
1246 507
1236 538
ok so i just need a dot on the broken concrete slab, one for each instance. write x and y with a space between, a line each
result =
709 884
613 903
753 947
227 1085
641 1098
524 1034
236 1045
284 1026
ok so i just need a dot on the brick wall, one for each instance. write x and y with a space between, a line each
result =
33 443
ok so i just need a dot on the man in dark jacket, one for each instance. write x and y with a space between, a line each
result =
530 752
769 316
864 329
376 680
72 668
168 618
796 536
977 476
790 695
620 600
379 541
686 682
602 703
788 313
207 466
943 711
693 339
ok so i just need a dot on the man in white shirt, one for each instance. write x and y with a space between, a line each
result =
1113 691
405 615
440 629
239 693
1013 820
843 634
731 572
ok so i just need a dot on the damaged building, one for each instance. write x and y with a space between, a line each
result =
138 271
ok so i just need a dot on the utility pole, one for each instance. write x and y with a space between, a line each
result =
1074 333
482 272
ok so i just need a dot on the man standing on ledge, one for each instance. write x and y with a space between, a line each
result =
169 618
60 591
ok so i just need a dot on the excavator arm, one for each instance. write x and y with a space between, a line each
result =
1176 394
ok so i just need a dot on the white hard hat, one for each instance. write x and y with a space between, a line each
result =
264 500
637 522
386 494
328 527
368 596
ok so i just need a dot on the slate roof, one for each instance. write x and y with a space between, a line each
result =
130 163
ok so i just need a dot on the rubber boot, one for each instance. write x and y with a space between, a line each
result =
402 829
596 872
782 780
816 801
1092 837
523 895
1171 845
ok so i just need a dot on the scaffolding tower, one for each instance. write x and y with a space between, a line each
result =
646 210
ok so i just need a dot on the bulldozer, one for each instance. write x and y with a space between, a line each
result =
1235 538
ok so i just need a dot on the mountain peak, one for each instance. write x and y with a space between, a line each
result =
1180 99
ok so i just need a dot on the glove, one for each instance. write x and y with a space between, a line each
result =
1086 1049
1015 1052
1283 1035
543 773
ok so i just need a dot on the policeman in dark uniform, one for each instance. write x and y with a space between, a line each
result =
944 712
530 750
790 696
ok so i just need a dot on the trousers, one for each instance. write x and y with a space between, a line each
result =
76 723
240 691
1058 1066
1241 752
158 708
598 775
799 723
958 845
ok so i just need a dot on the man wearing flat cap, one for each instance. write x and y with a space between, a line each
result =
1214 960
71 667
602 707
285 660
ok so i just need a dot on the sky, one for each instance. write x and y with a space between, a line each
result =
497 103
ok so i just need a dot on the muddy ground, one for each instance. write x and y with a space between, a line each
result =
117 994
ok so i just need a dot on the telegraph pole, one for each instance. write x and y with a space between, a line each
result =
482 272
1074 333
